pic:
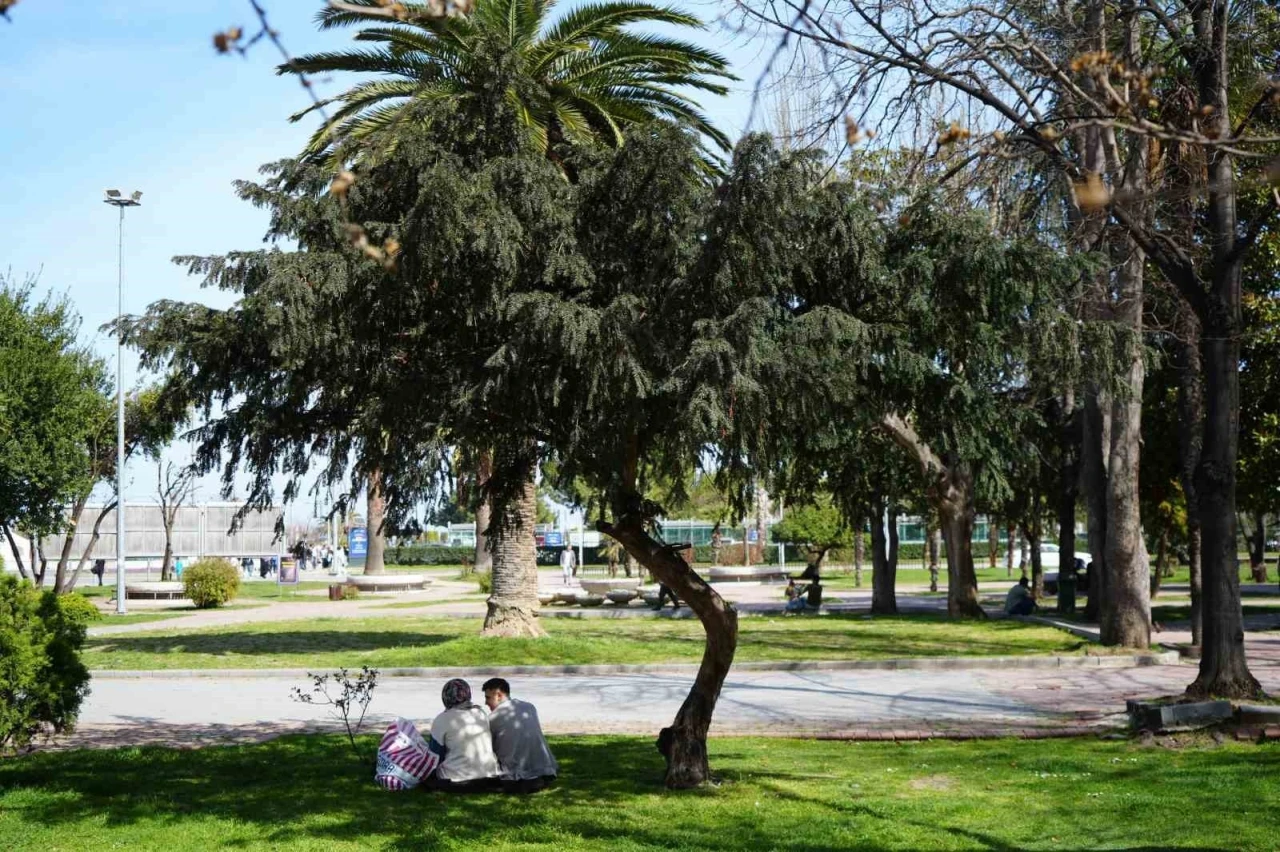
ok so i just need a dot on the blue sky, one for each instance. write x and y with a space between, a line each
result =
131 95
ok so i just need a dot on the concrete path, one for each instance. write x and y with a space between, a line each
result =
854 704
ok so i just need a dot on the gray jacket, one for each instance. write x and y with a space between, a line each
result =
518 742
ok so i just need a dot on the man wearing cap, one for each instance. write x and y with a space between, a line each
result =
463 729
524 758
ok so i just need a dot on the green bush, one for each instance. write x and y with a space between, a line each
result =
484 579
211 582
427 554
79 608
350 592
42 680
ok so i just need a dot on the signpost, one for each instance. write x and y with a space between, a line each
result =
357 546
288 575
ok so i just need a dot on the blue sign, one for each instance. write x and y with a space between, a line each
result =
753 535
358 543
553 539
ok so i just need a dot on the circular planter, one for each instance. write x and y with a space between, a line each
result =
603 587
169 591
621 597
374 583
744 574
590 600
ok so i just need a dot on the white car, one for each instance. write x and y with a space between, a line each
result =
1049 555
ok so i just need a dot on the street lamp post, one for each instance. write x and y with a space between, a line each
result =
116 199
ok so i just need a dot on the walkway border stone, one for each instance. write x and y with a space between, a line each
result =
1117 661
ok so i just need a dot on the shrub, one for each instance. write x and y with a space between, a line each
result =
427 554
78 608
211 582
484 579
350 592
42 680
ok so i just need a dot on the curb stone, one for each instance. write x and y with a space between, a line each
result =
910 664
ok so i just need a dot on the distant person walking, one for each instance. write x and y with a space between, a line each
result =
568 564
177 567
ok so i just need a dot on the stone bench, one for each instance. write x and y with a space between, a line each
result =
157 591
374 583
745 574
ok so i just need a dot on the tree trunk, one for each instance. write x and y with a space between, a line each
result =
1097 436
684 744
17 554
1190 434
87 554
956 511
64 558
484 514
1037 570
934 535
1068 484
1162 559
1224 670
950 490
1010 542
884 558
1258 548
375 559
1126 606
859 553
993 543
513 603
1023 552
166 566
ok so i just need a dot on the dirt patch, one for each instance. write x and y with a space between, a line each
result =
932 782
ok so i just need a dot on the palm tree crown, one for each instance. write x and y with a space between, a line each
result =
581 79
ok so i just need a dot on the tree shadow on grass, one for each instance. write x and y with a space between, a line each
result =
312 792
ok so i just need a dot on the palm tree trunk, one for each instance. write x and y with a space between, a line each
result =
375 559
513 602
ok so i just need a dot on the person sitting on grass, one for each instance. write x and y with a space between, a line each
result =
469 764
524 758
1019 601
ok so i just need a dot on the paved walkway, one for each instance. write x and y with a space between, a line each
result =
846 704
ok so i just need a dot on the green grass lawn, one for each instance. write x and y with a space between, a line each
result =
310 793
1182 612
255 590
140 617
478 596
421 641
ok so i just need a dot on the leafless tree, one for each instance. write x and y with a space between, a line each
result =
174 486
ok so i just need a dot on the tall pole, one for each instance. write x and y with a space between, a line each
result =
120 604
117 200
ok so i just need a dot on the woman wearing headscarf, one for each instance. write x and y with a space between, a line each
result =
463 729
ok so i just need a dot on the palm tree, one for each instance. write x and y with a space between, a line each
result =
578 81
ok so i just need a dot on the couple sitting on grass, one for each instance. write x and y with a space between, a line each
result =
470 749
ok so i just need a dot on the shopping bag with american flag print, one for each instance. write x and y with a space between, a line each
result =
405 758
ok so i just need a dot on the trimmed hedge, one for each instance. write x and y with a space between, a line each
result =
429 554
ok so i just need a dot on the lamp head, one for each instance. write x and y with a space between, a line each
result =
137 195
113 193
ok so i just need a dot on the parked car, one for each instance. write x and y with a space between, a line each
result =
1051 581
